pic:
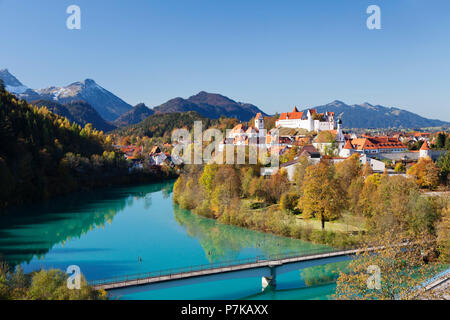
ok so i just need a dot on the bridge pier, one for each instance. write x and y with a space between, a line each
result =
270 281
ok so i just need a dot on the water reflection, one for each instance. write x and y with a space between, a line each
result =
324 274
220 241
32 231
105 231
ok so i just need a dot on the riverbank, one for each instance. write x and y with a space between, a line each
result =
239 196
272 220
105 230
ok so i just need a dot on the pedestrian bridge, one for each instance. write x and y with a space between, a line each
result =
265 267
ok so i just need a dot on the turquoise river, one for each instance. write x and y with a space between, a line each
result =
105 231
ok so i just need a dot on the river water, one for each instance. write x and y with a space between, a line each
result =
105 231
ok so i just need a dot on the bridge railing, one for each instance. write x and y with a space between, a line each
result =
214 265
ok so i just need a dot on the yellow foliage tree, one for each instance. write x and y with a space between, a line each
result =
425 173
392 271
322 196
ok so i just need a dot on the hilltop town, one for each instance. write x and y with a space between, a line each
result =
313 135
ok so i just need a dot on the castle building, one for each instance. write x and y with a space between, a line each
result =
309 120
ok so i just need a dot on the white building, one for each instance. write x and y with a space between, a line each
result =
309 120
426 152
376 165
243 135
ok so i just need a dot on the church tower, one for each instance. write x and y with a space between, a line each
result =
259 121
340 138
425 150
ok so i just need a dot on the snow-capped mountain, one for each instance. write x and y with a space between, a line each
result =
14 86
108 105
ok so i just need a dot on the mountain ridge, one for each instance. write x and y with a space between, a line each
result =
210 105
79 112
135 115
367 115
107 104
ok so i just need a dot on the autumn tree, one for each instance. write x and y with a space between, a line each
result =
366 198
395 269
348 170
353 193
425 173
257 188
396 204
322 196
443 233
300 171
440 140
443 164
43 285
276 186
288 201
52 285
247 174
289 155
366 169
227 187
208 176
399 167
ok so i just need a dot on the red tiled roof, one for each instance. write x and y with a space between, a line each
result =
308 148
295 114
238 128
422 134
291 115
425 146
348 145
381 142
258 115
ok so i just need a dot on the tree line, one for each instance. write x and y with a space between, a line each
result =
324 191
43 155
43 285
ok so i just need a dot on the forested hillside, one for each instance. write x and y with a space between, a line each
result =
162 125
211 105
77 111
43 154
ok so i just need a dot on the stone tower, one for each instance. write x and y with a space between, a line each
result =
425 150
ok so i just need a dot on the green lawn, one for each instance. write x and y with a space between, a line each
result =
347 223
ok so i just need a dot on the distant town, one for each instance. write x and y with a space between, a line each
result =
315 136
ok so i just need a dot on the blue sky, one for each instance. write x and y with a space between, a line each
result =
274 54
